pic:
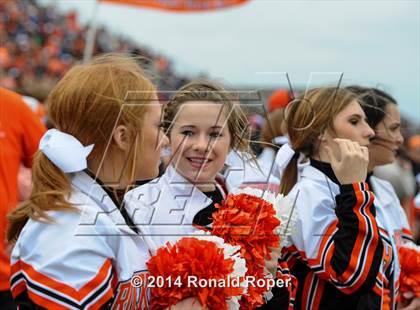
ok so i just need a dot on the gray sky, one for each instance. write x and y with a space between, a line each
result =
374 43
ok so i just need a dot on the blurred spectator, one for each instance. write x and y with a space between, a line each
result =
37 107
41 44
273 137
413 144
24 175
278 99
20 132
256 122
400 175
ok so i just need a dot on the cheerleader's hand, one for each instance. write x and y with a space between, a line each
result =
412 304
191 303
350 163
271 265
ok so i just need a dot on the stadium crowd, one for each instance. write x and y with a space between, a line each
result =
40 45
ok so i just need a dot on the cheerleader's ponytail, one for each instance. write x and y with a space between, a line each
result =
50 189
86 105
290 175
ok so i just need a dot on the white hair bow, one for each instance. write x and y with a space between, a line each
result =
65 151
284 156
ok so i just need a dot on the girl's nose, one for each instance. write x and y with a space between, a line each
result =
201 144
368 131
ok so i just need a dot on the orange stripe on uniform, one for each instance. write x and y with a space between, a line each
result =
315 262
306 290
312 282
362 239
64 288
407 232
101 301
18 288
361 236
15 268
318 294
45 302
328 272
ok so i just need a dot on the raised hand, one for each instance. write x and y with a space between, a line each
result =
351 161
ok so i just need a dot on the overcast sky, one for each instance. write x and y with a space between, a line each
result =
374 43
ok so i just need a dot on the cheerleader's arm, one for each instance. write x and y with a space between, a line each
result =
356 256
341 242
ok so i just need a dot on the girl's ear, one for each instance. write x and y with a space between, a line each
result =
323 137
122 138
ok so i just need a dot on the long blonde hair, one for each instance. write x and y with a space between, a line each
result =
306 119
88 102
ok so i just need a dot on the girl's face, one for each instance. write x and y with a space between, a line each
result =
388 138
154 140
350 123
200 141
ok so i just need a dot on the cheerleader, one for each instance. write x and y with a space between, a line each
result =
75 247
384 117
337 254
204 125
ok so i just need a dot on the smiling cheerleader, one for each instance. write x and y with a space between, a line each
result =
204 124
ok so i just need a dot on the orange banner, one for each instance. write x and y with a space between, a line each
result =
180 5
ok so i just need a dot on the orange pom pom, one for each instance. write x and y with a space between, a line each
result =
247 221
410 269
191 257
250 222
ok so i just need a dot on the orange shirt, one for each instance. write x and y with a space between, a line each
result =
20 132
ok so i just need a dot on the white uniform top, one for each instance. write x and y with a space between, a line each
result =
315 204
392 209
267 162
392 220
242 172
83 259
163 209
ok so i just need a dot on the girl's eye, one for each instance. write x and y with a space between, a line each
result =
187 133
395 128
354 121
215 134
